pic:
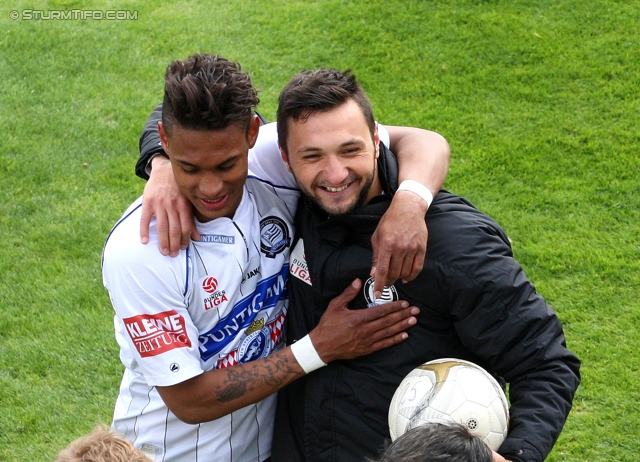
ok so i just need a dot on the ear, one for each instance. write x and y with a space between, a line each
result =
376 140
285 158
163 138
254 129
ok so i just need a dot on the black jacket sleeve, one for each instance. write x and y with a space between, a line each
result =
501 318
149 142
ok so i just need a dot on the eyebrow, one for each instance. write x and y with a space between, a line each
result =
228 160
186 164
342 145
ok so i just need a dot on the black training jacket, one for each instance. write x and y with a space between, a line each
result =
476 304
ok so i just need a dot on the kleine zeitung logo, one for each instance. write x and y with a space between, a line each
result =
154 334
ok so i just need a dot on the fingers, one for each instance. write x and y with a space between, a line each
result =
415 268
390 323
348 294
399 242
388 327
163 199
195 235
378 312
398 263
388 342
420 254
175 231
380 271
162 228
145 221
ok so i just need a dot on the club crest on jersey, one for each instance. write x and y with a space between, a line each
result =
256 345
259 342
389 294
217 297
274 236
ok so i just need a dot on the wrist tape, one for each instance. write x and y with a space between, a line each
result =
417 188
306 355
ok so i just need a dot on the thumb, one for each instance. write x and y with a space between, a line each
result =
348 294
195 235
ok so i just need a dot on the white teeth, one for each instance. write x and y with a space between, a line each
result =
330 189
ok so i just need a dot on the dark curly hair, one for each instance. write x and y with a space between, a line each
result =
207 92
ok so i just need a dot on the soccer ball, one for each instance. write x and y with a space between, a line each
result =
451 390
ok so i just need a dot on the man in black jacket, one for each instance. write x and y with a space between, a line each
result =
476 302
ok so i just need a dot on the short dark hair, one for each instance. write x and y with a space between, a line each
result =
207 92
437 442
319 91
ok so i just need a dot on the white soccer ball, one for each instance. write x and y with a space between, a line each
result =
451 390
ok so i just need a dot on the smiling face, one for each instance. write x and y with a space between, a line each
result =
333 158
210 166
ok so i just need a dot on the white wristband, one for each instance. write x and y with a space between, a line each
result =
306 355
417 188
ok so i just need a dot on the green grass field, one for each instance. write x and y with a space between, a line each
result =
538 99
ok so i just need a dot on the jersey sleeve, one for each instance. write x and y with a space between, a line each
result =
383 134
265 161
148 292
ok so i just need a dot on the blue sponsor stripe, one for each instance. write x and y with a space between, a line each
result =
267 294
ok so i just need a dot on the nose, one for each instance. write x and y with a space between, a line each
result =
210 186
335 171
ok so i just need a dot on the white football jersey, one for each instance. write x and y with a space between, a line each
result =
222 301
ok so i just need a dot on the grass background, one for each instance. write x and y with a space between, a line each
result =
538 99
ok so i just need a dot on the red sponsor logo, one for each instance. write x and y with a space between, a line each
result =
300 270
154 334
210 284
215 300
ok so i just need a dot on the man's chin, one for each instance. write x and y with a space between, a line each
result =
336 210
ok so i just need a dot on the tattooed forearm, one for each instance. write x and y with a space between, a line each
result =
275 370
276 364
239 381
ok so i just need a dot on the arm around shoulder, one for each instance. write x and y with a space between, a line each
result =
423 156
400 240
